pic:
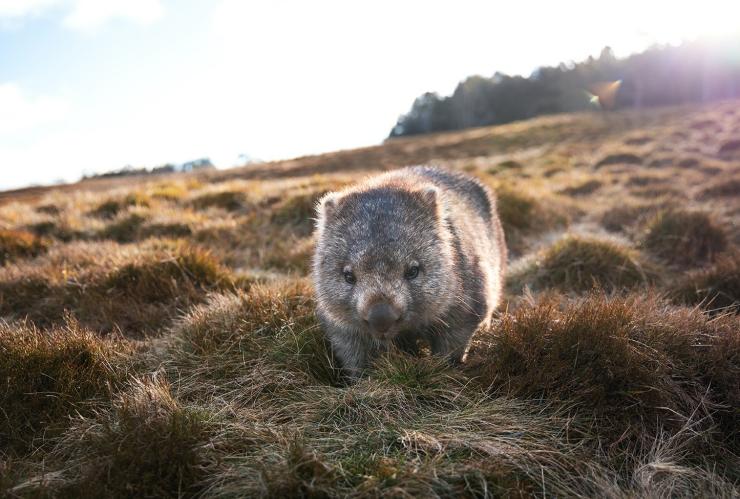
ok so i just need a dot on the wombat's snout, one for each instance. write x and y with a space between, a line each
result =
382 316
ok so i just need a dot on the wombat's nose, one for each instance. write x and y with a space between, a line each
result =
381 317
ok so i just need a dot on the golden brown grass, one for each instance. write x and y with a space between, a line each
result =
685 238
19 244
577 264
135 291
161 340
715 288
637 364
50 375
523 216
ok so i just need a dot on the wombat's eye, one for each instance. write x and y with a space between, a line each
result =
412 272
349 276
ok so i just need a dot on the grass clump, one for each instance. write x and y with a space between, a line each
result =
637 365
684 238
523 216
272 327
577 264
619 158
49 375
136 293
298 212
111 207
583 189
125 230
135 227
628 216
729 147
19 244
168 192
58 229
509 164
183 273
725 188
147 445
49 209
715 288
226 200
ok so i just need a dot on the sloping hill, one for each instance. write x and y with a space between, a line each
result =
159 336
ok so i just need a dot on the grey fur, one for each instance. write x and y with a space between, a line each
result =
445 221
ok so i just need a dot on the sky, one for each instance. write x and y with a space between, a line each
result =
93 85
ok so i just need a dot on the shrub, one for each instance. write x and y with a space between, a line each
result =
577 264
49 375
635 363
19 244
716 287
684 237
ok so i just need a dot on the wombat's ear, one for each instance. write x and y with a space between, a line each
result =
327 205
429 195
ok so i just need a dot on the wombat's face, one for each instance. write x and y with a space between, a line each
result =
383 262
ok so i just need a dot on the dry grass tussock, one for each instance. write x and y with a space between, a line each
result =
158 337
109 287
577 264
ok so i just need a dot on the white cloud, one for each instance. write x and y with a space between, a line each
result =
20 112
22 8
85 15
89 15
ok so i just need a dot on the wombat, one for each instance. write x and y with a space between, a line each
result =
416 253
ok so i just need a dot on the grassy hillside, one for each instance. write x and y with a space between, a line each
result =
159 337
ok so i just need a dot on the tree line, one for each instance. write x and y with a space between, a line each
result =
698 71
